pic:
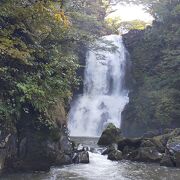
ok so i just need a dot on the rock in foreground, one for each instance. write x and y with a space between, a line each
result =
81 155
115 155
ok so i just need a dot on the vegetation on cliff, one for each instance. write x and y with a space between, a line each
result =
39 51
155 54
41 43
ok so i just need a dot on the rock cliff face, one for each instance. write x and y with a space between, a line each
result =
154 92
26 148
8 148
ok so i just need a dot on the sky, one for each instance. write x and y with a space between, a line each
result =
130 12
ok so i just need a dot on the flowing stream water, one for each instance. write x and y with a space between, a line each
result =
104 96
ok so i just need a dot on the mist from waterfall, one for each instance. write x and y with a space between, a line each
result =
104 96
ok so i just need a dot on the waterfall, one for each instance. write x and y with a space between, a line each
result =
104 96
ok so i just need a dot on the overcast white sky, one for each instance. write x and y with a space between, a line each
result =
130 12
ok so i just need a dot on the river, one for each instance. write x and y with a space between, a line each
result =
100 168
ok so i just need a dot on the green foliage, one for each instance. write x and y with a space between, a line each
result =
39 53
114 23
155 101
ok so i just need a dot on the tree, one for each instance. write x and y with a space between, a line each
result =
114 23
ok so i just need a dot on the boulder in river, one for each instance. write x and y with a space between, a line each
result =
110 135
115 155
84 157
81 157
148 154
81 154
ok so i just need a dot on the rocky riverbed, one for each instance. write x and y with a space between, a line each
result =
101 168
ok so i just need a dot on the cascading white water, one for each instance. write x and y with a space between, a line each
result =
104 96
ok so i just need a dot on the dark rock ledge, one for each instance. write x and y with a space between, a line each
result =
163 149
37 152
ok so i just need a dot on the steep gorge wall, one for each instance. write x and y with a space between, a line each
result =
155 94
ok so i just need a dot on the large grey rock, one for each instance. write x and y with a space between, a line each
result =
39 152
80 155
148 154
115 155
110 135
154 142
173 146
84 157
167 161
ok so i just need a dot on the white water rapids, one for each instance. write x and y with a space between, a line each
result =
104 96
